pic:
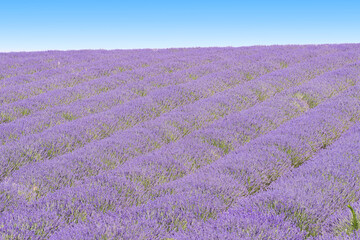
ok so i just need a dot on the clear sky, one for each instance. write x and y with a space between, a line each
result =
32 25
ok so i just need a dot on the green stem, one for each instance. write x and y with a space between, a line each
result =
354 220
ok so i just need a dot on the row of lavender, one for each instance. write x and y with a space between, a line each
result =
179 209
85 184
310 202
182 115
87 73
96 156
245 74
22 68
113 90
67 137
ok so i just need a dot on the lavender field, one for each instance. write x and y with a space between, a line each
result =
194 143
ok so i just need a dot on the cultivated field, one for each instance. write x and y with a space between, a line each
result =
198 143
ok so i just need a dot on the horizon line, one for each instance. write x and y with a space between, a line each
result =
169 48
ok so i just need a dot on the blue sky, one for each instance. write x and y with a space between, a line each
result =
62 25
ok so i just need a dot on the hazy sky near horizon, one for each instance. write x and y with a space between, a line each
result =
63 25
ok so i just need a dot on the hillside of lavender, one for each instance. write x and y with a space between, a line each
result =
257 142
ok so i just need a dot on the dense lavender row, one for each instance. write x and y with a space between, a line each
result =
185 204
149 175
69 79
70 136
16 134
110 69
63 66
21 64
133 79
98 153
131 87
302 147
105 100
76 61
340 84
26 64
313 200
189 144
18 68
194 151
19 92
